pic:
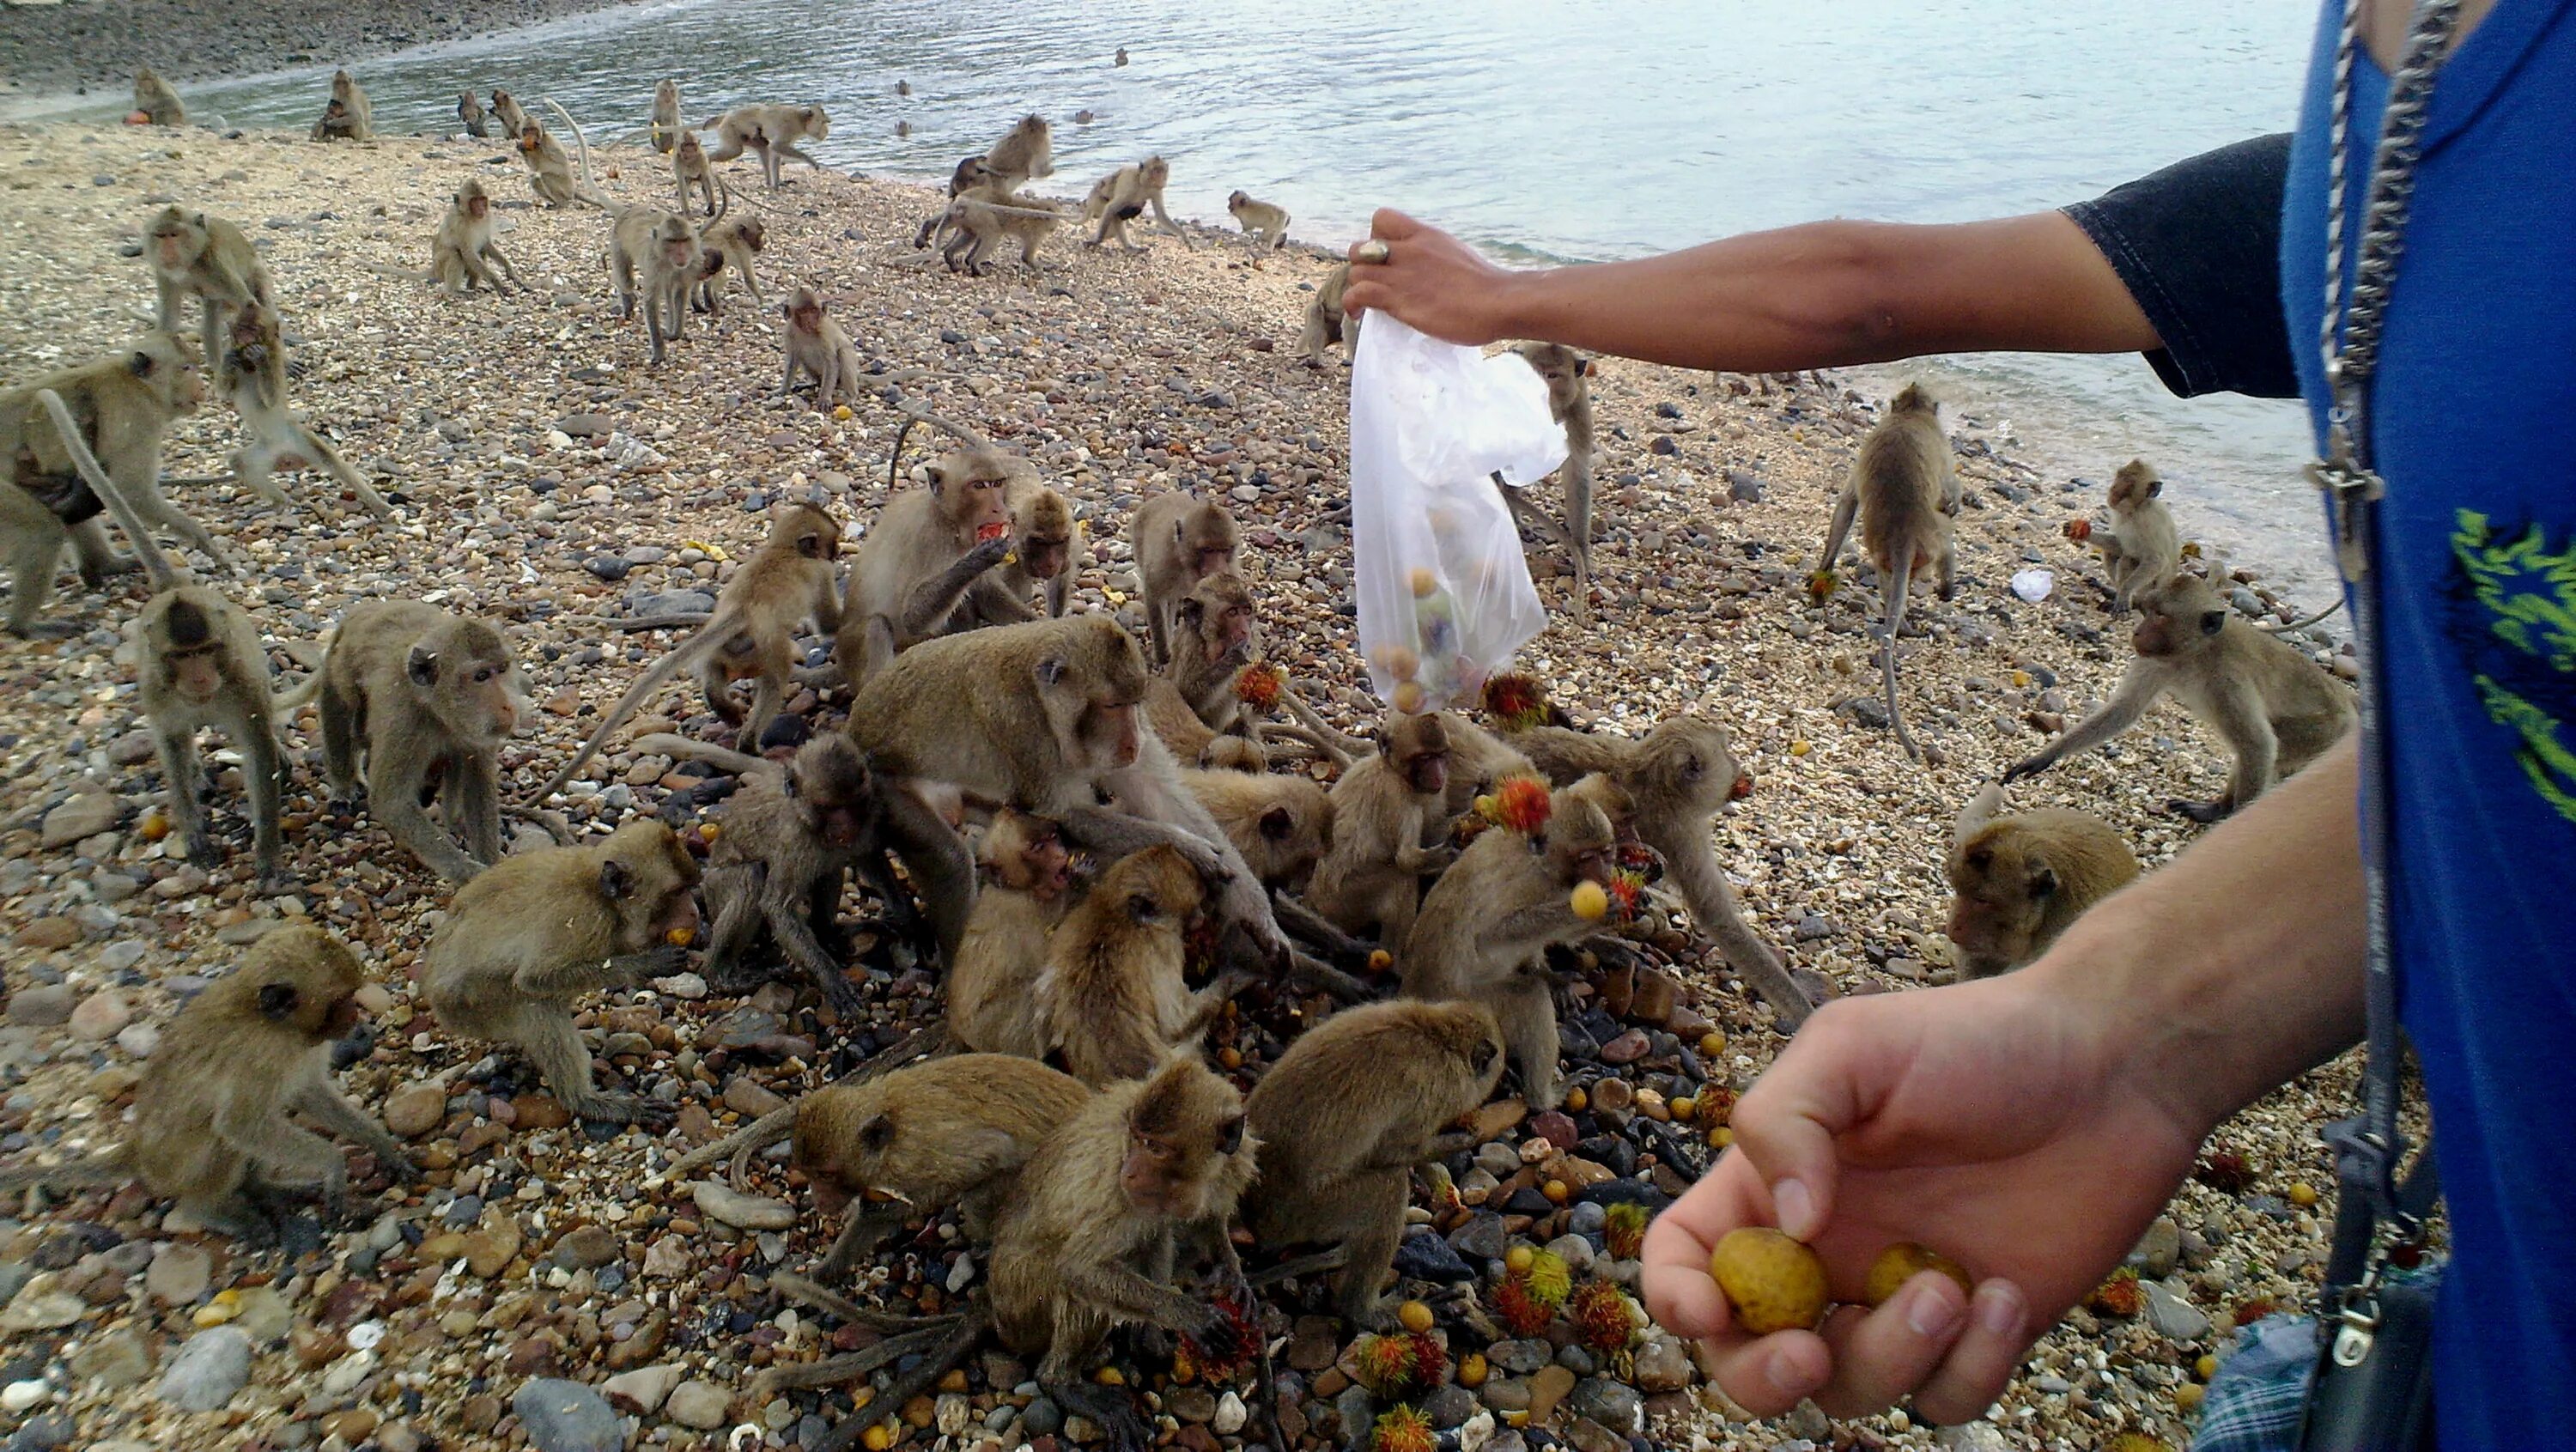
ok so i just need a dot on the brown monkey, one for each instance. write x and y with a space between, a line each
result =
929 547
540 929
773 131
1113 997
194 253
427 699
1477 760
2275 710
980 217
1505 901
992 982
1042 717
1123 195
121 407
509 113
154 98
751 636
1906 491
1569 401
470 111
1381 809
815 344
739 239
550 171
666 129
464 243
971 173
952 1131
253 377
1345 1115
1326 321
1281 824
347 116
2141 549
690 168
2018 881
1679 777
211 1125
664 248
1263 223
791 835
1193 704
1180 539
1087 1241
1043 535
1025 152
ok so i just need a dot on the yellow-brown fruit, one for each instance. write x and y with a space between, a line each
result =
2205 1368
155 825
1556 1191
2189 1396
1576 1101
1110 1376
1424 583
1472 1371
1720 1136
1901 1262
1517 1259
1682 1109
841 414
878 1438
1229 1058
1772 1282
1590 902
1415 1316
680 937
1711 1044
707 831
1409 697
2303 1195
1380 960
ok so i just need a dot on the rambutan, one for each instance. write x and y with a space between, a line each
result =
1516 702
1623 1229
1430 1358
1627 895
2255 1310
1391 1365
1258 686
2226 1172
1601 1316
1549 1278
1716 1105
1228 1347
1521 803
1403 1430
2118 1296
1518 1310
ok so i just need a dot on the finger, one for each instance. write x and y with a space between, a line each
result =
1882 1355
1769 1376
1390 225
1680 1295
1786 1123
1984 1358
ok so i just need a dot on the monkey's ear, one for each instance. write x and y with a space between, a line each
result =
2042 879
2212 621
1385 743
1981 860
1229 1136
1142 907
2155 487
1278 822
1051 670
1582 366
877 1133
810 544
422 666
277 1001
140 365
615 880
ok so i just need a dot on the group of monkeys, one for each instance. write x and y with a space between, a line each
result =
997 747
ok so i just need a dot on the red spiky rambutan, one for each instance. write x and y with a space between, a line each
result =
1518 1310
1430 1358
2226 1172
1716 1105
1517 702
1623 1229
1627 892
2255 1310
1258 686
1642 860
2118 1296
1601 1316
1521 803
1403 1430
1388 1365
1228 1347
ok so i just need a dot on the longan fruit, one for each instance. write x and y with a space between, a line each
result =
1590 902
1901 1262
1772 1282
1415 1316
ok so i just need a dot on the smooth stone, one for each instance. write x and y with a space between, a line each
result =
700 1404
1520 1357
82 814
415 1109
211 1366
2174 1318
1548 1387
179 1274
565 1416
101 1015
47 1004
2158 1251
1613 1405
748 1212
1662 1365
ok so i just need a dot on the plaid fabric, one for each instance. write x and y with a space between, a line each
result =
2255 1400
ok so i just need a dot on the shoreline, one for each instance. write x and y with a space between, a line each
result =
548 473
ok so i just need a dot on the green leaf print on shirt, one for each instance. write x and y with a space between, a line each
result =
2526 598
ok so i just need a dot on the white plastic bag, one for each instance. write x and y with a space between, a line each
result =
1444 594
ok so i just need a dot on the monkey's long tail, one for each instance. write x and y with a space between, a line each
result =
932 1041
1899 582
164 574
687 654
114 1167
2299 624
681 746
589 183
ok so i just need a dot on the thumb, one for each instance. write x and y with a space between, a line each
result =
1786 1124
1390 225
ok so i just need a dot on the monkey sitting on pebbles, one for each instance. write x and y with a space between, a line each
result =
2020 880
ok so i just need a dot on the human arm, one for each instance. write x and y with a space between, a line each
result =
2028 1126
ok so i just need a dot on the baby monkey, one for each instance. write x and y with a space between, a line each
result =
815 344
1264 225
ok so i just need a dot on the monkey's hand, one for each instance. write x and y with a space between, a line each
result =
201 847
2028 766
991 552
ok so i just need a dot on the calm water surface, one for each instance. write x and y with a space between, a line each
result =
1580 129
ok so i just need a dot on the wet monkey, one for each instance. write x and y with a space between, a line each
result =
2018 881
253 379
155 101
346 116
1179 540
815 345
1124 195
195 254
1569 401
1905 487
1264 225
464 244
773 131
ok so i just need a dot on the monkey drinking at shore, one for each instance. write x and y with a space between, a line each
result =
663 248
1906 490
155 101
1569 401
346 116
816 345
2019 880
253 378
2271 706
1264 225
212 1126
773 131
541 929
751 636
1123 195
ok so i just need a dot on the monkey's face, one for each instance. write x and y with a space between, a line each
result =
1185 1142
2180 619
805 316
530 139
1045 534
831 783
477 206
174 242
2002 894
975 497
196 675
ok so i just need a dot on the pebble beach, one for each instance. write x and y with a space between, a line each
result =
545 1285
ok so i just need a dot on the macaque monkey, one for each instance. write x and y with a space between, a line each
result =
211 1115
1344 1116
1027 885
426 699
667 129
1506 900
773 131
121 407
664 248
1042 717
253 378
1193 704
1122 56
790 836
739 239
971 173
1180 539
1326 321
1381 807
982 216
464 243
951 1131
1087 1241
2275 710
158 103
815 344
2141 549
2018 881
1569 401
1906 490
1113 997
1043 534
512 117
1264 224
541 929
195 254
751 636
1477 759
1025 153
346 116
550 172
470 111
690 168
1281 824
1678 778
929 548
1123 195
